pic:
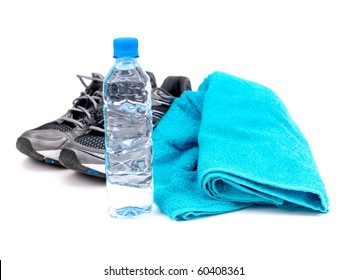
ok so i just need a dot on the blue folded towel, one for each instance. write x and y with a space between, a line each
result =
230 145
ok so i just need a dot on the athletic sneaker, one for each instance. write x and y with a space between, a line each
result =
45 142
86 153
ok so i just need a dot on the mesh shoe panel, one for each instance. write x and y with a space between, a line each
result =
96 141
55 126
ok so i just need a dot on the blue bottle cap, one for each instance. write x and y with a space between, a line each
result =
125 47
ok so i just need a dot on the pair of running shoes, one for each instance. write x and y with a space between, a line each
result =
76 140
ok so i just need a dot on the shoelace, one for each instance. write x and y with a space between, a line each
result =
161 97
94 99
99 129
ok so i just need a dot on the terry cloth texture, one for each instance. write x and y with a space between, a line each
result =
230 145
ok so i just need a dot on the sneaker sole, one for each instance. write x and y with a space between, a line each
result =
69 159
24 146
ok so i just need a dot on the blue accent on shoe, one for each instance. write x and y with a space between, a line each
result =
93 172
49 160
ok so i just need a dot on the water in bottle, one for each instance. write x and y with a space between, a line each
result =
128 133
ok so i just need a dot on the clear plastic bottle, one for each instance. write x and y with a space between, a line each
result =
128 133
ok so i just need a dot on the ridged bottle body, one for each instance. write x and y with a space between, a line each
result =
128 139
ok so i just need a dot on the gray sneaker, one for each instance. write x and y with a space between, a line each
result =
45 142
86 154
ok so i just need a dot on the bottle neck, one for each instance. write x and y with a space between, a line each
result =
126 62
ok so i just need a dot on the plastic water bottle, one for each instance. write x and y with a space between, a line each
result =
128 133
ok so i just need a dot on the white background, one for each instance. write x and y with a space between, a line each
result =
54 222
